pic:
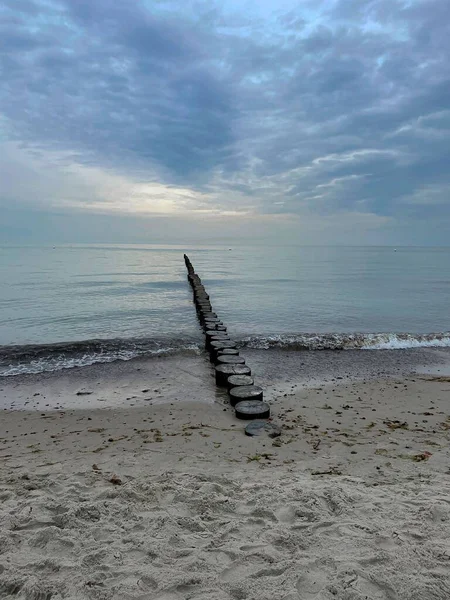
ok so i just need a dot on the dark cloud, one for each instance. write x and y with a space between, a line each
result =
334 108
123 86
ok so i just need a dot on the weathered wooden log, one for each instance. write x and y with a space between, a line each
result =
223 359
224 371
239 380
216 345
245 392
252 409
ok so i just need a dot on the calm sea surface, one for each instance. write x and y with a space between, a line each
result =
138 296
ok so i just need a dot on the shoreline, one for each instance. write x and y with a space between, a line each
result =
188 377
21 360
350 502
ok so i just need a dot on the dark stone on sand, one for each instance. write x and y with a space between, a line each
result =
245 392
225 371
260 427
252 409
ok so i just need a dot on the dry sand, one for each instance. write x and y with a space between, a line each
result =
169 502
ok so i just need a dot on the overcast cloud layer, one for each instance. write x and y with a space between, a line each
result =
321 122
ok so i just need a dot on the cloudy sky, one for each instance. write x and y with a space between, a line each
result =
314 121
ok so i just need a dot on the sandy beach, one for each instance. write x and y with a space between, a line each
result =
167 499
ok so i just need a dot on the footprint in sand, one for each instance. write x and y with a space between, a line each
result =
242 569
373 589
311 583
286 514
147 583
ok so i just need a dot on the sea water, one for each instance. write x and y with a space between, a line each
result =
78 304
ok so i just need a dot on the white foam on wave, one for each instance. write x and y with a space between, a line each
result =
57 360
394 341
60 362
349 341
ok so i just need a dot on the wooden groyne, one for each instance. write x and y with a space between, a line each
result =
231 370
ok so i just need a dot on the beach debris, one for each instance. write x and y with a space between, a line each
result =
255 458
421 457
382 451
83 393
331 471
316 444
252 409
396 424
95 467
257 427
258 457
115 480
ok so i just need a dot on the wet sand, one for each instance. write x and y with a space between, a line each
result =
189 376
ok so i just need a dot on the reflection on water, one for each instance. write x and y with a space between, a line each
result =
85 292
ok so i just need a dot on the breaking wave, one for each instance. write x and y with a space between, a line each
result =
349 341
18 360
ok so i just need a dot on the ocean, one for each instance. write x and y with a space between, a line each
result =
77 305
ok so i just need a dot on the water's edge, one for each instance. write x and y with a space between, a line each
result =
18 360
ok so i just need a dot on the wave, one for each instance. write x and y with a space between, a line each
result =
349 341
32 359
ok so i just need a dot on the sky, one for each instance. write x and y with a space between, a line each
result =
273 121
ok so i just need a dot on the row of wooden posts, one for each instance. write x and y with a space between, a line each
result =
231 371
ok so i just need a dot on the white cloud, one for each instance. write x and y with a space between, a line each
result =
429 195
